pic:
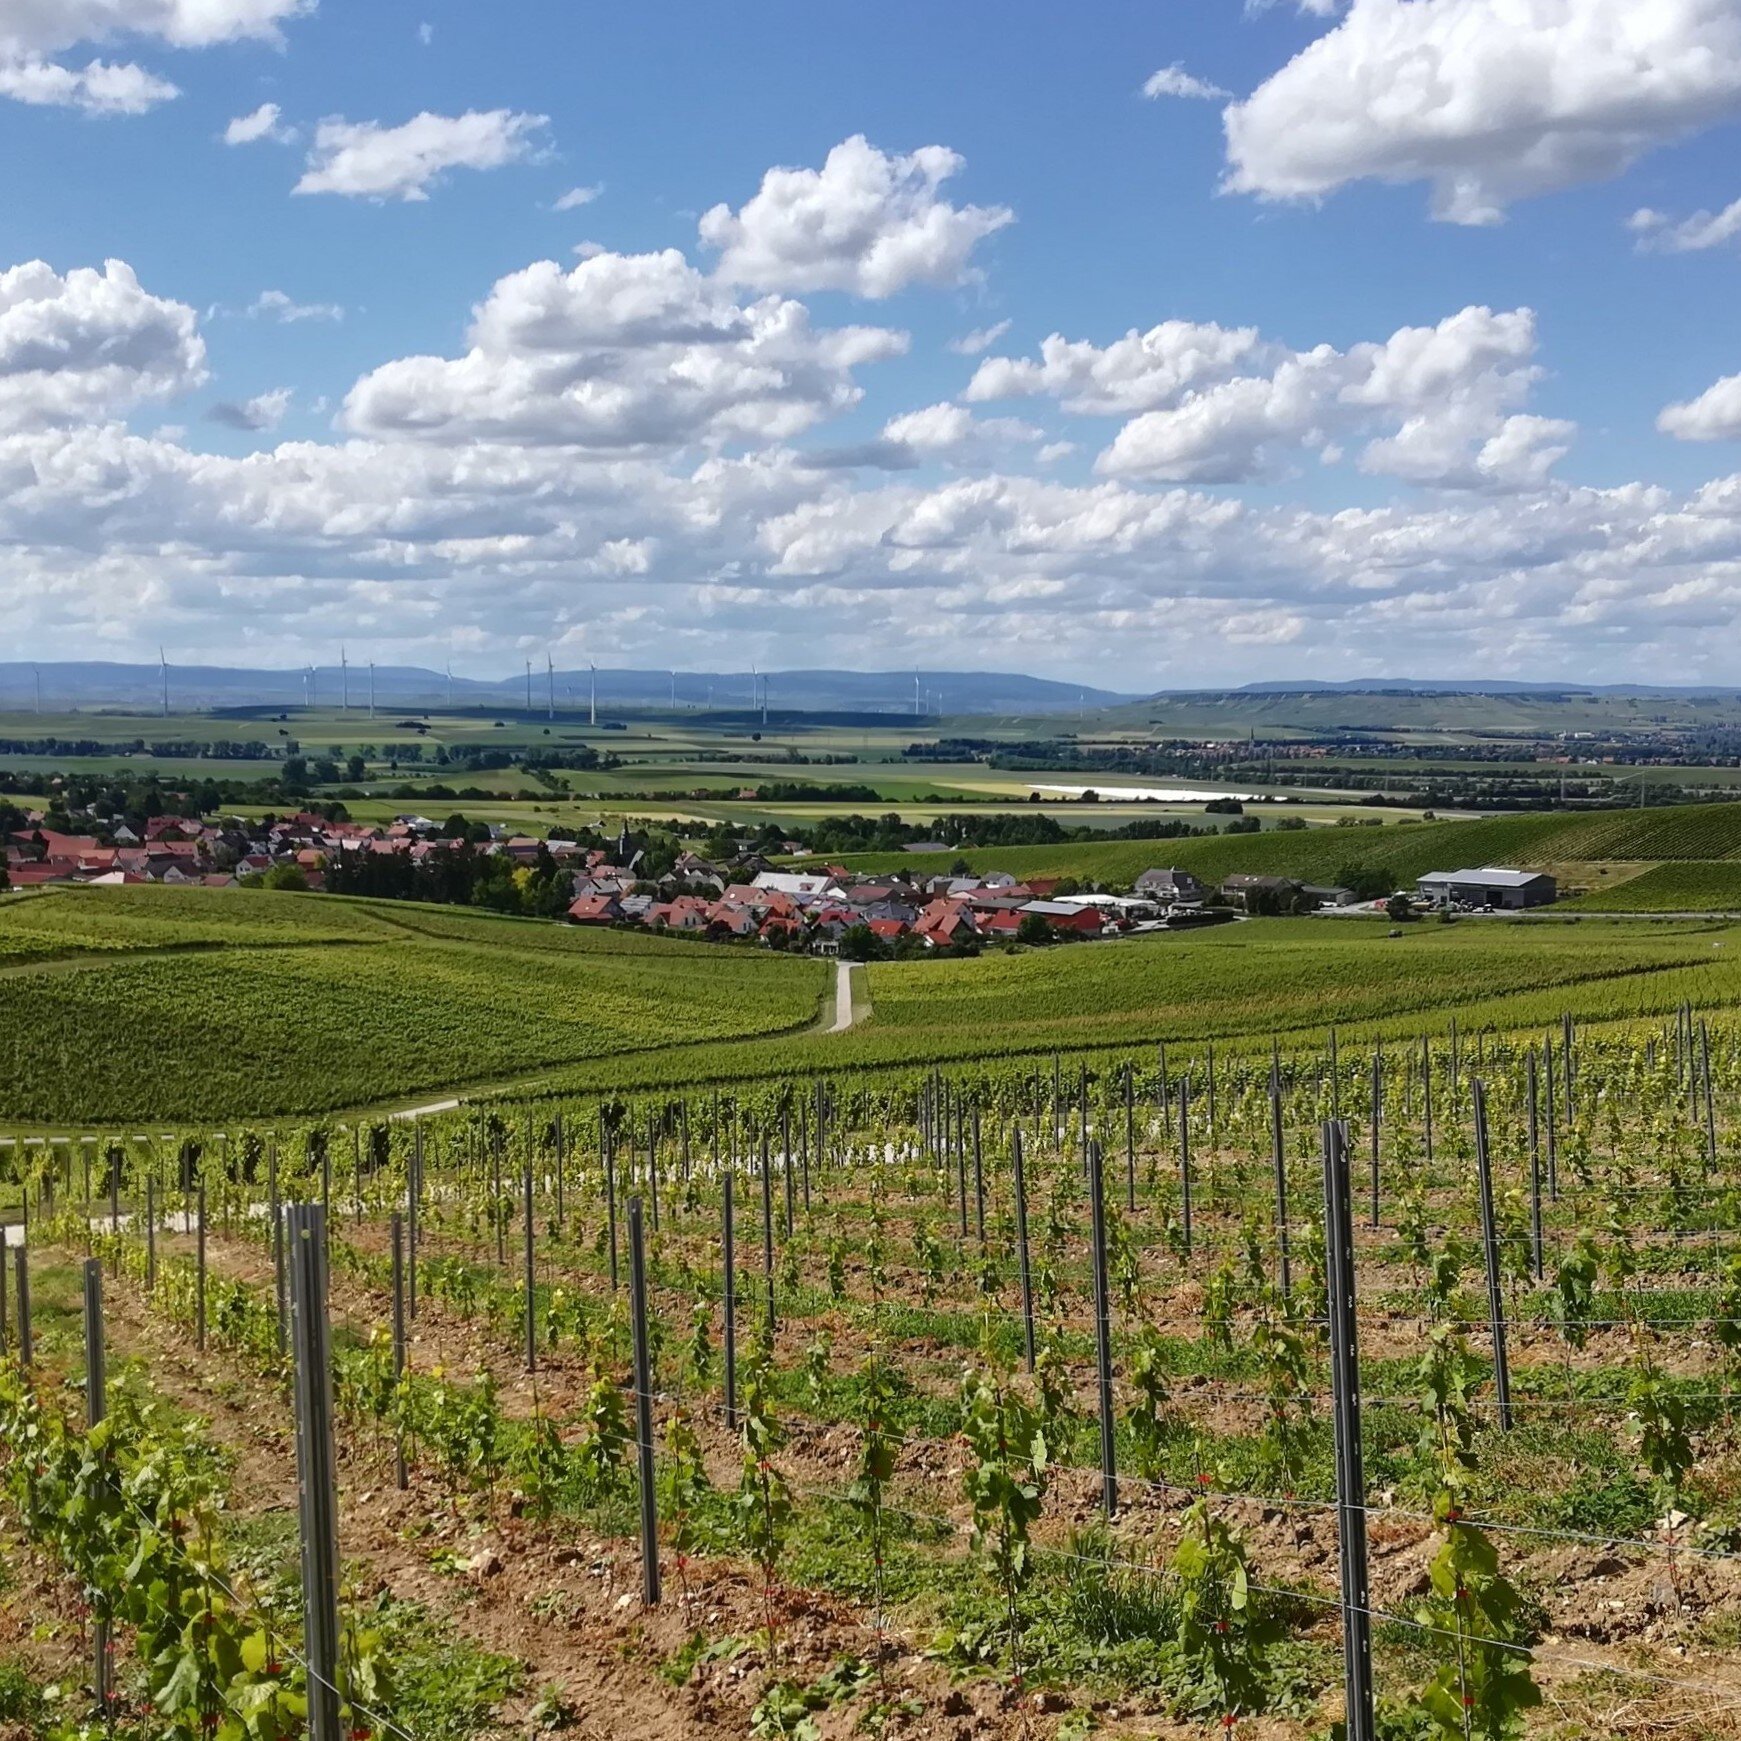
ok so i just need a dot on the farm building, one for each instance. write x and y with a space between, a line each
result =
1252 892
1168 884
1490 886
1084 920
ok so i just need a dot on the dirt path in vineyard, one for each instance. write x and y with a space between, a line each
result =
554 1594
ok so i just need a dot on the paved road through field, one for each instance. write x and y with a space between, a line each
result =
843 1016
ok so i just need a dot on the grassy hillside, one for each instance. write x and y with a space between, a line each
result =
1236 986
1405 850
160 1004
1687 887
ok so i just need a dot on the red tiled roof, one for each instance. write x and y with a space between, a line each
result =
591 909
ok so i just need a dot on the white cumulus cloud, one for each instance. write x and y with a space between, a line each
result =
45 26
1657 233
264 122
576 197
263 411
1435 405
365 160
980 339
100 88
623 351
89 345
285 309
1487 101
33 30
1715 415
1174 81
1139 372
866 222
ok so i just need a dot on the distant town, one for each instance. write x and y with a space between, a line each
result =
749 896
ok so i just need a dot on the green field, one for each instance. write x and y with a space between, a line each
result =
1686 887
126 1004
1690 831
1240 983
129 1004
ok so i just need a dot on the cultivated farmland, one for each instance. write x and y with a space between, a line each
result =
161 1004
1014 1410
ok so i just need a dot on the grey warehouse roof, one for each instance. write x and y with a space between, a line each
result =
1493 875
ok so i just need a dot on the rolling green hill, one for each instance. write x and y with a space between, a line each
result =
1689 886
1405 850
132 1004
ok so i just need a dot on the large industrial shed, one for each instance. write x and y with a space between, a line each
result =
1491 886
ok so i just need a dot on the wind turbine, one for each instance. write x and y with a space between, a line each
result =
163 667
673 691
916 708
592 711
36 670
550 679
754 680
371 689
450 686
528 685
764 700
344 680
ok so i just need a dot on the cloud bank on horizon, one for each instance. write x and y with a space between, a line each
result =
876 403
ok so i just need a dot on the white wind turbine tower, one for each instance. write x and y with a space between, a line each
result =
755 682
764 699
371 689
163 668
344 680
550 680
673 691
528 685
450 686
916 707
36 672
592 706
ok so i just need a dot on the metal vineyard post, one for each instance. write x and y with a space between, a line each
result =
1350 1465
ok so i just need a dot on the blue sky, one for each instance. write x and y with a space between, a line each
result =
1438 298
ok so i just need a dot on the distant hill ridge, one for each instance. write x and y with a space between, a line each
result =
92 683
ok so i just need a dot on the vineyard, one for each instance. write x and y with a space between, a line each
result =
1235 985
226 1006
1695 887
1405 850
1156 1390
162 1005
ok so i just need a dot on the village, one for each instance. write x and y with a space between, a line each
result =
751 896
